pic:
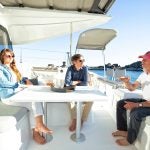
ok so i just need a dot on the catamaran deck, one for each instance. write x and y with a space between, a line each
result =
97 131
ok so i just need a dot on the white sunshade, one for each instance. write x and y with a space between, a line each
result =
28 23
91 6
95 39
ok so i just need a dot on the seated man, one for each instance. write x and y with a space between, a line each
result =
77 74
139 108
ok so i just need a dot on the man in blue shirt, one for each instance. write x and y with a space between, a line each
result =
77 74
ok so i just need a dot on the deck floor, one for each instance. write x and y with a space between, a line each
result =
97 132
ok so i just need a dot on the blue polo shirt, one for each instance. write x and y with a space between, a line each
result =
76 75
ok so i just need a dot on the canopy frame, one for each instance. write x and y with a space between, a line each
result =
96 39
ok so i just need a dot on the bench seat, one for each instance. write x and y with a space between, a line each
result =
14 127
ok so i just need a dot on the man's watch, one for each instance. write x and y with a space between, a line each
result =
140 105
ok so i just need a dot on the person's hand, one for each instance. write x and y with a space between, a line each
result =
76 82
130 105
125 79
28 82
51 84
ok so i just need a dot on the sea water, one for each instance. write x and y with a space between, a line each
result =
132 74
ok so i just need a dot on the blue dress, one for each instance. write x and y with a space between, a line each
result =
7 86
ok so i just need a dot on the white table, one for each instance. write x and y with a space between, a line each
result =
44 94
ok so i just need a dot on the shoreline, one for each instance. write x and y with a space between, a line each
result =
127 69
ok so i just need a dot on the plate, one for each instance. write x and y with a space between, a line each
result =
64 89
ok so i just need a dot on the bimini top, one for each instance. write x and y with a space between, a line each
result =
91 6
95 39
32 20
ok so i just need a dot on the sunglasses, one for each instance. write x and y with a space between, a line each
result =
9 56
82 60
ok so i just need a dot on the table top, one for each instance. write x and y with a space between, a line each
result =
44 94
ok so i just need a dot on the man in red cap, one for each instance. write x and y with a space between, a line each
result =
139 108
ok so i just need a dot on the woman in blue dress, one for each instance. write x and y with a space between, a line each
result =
10 78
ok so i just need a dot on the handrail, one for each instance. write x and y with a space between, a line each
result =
115 84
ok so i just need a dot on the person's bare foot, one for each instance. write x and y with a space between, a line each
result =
43 128
72 126
119 133
122 142
38 138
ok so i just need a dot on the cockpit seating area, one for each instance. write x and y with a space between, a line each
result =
14 127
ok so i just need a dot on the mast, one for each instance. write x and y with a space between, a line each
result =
70 42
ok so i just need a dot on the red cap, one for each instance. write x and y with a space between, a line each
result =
146 55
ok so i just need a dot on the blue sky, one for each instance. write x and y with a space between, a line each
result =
131 20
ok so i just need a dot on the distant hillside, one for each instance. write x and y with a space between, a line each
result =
136 66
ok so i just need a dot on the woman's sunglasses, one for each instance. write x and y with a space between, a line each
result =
9 56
